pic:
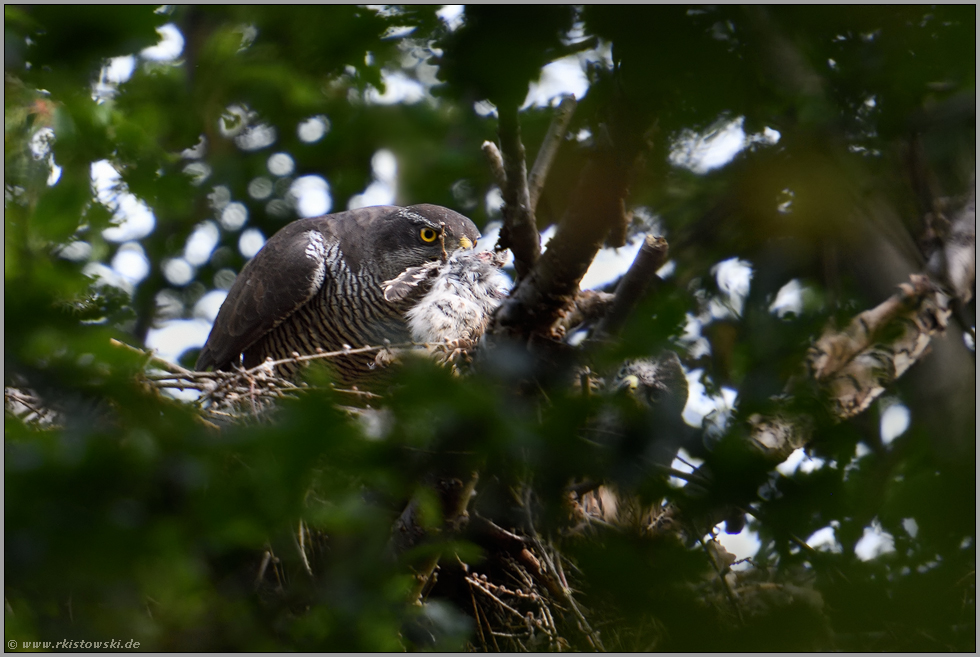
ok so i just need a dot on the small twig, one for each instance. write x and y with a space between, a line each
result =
358 393
266 558
552 628
454 514
208 423
477 615
29 402
803 545
268 364
549 148
695 477
561 572
302 548
173 367
507 540
486 591
721 576
553 570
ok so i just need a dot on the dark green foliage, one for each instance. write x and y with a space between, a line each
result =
130 517
515 40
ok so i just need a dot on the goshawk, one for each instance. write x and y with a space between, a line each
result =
322 282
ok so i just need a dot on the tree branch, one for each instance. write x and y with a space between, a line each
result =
519 234
540 297
855 367
588 306
549 147
496 162
638 279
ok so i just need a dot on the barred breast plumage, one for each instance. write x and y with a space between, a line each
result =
317 284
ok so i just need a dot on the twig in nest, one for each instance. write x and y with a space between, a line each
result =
481 620
483 587
724 582
554 571
252 391
454 515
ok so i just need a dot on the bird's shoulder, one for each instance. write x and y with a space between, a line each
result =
284 275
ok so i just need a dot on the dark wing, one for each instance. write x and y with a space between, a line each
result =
284 275
292 266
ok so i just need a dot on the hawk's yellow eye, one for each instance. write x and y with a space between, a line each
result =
428 235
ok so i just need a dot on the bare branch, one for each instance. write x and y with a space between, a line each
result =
519 234
858 362
496 161
588 306
855 367
549 147
638 279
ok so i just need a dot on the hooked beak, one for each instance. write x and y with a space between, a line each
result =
631 383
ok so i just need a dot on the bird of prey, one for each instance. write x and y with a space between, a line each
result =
642 426
319 283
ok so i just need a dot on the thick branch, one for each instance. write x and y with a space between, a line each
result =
519 234
588 306
635 284
541 296
856 365
549 147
